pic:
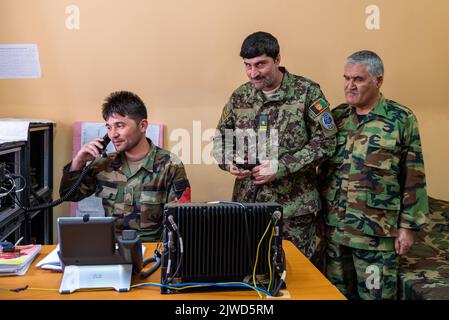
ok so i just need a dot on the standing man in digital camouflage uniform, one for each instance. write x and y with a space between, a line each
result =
374 185
136 181
296 110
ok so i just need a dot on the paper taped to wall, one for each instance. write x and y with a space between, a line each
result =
19 61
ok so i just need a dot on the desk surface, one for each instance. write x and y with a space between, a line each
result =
304 282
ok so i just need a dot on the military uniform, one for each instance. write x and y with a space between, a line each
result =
136 199
424 270
300 113
373 185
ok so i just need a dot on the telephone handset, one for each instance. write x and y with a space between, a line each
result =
105 143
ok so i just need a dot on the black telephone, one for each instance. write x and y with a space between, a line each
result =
105 143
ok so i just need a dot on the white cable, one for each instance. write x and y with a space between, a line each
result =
284 275
12 188
24 182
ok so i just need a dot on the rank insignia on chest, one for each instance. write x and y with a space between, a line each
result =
318 107
263 122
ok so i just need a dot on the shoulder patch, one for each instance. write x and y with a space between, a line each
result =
327 124
318 107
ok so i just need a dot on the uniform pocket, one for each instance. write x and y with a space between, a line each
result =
380 154
293 134
152 197
245 117
151 205
382 211
107 190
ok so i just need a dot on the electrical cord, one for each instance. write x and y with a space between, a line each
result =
257 255
269 259
12 179
15 176
62 199
156 258
283 276
180 286
13 185
181 247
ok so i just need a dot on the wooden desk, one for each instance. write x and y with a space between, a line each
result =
304 282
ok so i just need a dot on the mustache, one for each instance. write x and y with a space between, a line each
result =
351 91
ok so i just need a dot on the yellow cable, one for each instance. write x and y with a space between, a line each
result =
43 289
140 285
207 285
257 258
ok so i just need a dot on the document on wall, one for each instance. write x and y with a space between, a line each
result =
19 61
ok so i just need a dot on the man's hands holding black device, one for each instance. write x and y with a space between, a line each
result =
263 172
89 152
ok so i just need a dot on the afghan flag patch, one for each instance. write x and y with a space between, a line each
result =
318 107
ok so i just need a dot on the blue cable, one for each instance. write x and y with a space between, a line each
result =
205 284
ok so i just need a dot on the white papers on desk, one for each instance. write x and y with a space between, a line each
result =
19 61
52 262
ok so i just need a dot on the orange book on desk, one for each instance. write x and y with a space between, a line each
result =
17 263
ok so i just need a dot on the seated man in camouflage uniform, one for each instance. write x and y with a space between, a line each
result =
136 181
374 185
296 110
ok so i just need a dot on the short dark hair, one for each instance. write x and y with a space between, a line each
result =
124 103
259 43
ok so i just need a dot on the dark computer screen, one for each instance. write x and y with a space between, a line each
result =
84 242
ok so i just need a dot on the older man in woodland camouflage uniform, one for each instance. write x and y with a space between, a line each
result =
374 185
294 113
136 181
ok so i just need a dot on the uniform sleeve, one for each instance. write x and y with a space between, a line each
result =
179 186
322 136
224 143
415 206
86 189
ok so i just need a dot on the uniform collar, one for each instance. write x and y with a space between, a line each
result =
148 161
378 110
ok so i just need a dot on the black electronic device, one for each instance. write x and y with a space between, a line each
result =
246 165
105 143
40 162
91 241
222 242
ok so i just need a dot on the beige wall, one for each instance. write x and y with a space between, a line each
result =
182 58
